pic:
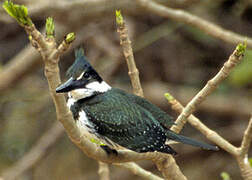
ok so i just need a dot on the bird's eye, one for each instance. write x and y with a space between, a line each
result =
86 75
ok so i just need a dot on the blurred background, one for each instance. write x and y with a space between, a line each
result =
171 57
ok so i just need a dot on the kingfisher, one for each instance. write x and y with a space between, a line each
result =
117 118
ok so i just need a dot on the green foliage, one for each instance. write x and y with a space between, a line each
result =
18 12
169 97
50 27
70 37
225 176
250 161
119 18
240 48
242 74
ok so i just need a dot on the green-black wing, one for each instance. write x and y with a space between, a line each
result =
119 119
157 113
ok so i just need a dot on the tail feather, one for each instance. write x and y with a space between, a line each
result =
79 52
179 138
166 149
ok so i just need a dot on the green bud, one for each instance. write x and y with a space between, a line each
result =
50 32
169 97
18 12
225 176
240 48
70 37
119 17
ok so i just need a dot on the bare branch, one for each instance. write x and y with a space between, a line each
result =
245 168
210 134
103 171
242 157
21 64
247 138
137 170
211 85
36 38
37 152
128 53
65 116
187 18
169 168
167 165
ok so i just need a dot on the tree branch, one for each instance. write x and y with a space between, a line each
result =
187 18
242 157
240 154
247 138
211 85
103 171
167 165
128 53
47 49
137 170
37 152
195 122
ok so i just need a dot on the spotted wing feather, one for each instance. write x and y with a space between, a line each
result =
156 112
126 123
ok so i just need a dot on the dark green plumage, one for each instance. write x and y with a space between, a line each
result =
117 116
81 65
131 122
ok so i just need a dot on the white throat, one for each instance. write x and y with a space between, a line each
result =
88 91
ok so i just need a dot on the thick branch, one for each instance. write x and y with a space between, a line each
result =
169 168
65 116
137 170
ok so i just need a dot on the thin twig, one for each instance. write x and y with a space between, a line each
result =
247 138
65 116
129 57
187 18
240 154
210 134
167 165
37 152
21 64
211 85
242 157
103 171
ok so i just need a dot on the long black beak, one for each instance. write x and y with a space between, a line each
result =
67 86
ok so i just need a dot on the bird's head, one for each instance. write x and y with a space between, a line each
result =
83 80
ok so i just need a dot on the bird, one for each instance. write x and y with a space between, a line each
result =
116 118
